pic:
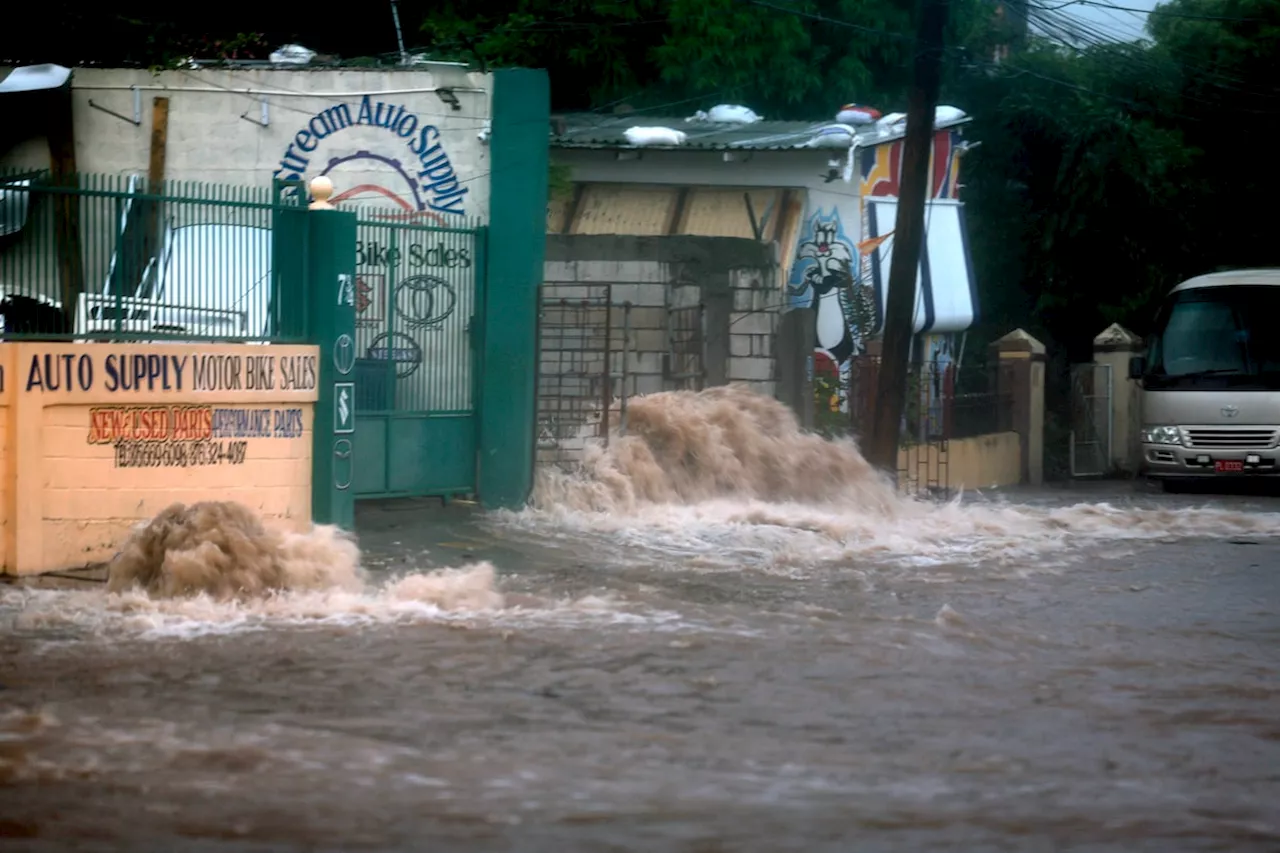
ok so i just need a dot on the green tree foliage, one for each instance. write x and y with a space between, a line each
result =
592 49
1226 86
1108 173
784 58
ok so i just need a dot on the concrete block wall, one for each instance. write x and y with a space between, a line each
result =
345 122
753 329
653 344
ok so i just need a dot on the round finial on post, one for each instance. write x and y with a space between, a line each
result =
321 189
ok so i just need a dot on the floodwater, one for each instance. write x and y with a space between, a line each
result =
722 635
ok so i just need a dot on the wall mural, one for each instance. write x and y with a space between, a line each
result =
825 277
880 172
832 273
881 167
940 360
404 162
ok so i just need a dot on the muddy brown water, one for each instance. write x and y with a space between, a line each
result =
708 672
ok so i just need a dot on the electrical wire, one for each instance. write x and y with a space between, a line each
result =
1007 65
1082 38
1170 13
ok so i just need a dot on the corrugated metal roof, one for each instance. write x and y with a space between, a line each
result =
591 130
1261 275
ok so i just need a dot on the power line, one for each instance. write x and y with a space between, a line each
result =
1002 65
1157 10
1068 31
823 19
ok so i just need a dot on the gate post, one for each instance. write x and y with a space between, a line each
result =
518 166
1021 378
1114 346
331 322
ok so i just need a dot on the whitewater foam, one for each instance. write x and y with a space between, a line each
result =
215 568
717 481
468 596
725 479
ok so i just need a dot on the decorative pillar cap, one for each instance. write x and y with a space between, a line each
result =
1116 338
321 190
1019 341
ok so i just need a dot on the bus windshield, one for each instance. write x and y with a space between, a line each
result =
1216 337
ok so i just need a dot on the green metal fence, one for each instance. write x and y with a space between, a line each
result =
105 257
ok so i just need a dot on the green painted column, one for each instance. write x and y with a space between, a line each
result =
331 323
518 152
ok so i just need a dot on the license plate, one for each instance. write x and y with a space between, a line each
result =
1228 465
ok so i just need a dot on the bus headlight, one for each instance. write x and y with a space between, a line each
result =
1161 435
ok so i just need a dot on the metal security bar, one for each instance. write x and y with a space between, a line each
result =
597 352
575 387
941 404
106 257
415 314
1091 420
684 364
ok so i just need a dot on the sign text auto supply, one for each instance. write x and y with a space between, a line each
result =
126 372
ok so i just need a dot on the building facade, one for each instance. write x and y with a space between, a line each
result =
825 199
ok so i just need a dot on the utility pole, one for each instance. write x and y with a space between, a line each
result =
395 16
908 234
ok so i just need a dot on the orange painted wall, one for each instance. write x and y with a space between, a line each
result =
97 437
6 471
979 462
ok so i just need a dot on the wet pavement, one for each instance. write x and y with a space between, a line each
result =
1091 668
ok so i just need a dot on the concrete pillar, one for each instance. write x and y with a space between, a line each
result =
1114 347
794 354
717 301
1021 360
508 381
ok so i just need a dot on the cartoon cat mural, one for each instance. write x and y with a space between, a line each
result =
824 278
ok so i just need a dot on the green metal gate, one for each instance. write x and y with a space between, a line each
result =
419 297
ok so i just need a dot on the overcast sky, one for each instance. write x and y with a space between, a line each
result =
1115 22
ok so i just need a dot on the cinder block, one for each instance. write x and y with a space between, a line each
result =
649 318
655 271
646 383
685 296
751 278
598 272
555 271
642 271
753 323
750 300
645 362
649 340
751 369
640 294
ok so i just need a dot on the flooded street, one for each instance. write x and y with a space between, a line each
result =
1085 671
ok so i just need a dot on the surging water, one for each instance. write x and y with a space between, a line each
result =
685 447
727 477
722 480
214 567
222 549
776 666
